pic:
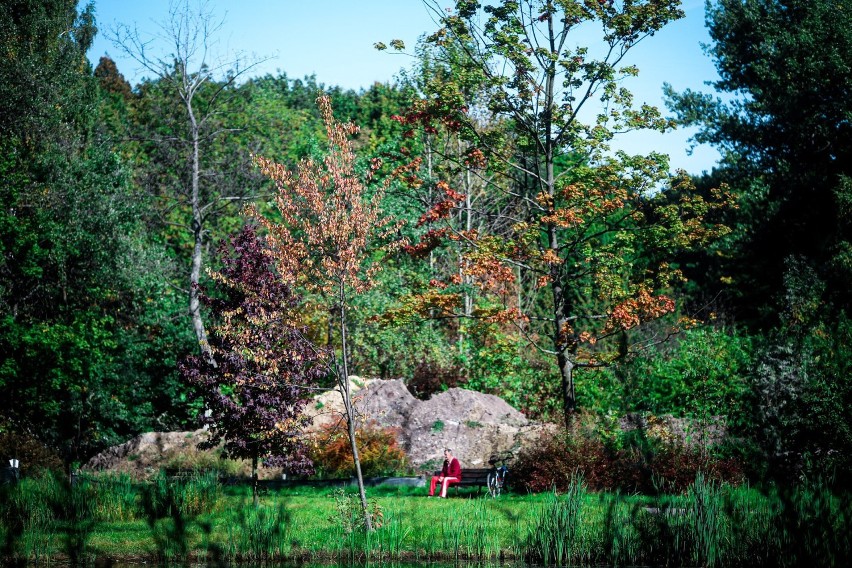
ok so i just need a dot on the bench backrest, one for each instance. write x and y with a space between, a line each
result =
473 474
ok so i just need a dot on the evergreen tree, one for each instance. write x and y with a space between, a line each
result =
784 132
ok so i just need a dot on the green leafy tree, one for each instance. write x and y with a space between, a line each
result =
188 78
81 289
587 222
784 132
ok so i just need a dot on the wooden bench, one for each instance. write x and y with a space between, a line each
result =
471 477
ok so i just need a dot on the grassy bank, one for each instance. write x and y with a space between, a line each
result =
709 526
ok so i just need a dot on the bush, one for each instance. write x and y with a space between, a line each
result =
631 461
504 364
378 449
430 377
33 455
700 372
798 406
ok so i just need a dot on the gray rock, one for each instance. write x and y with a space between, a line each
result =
473 424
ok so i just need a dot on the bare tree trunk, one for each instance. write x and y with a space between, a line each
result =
562 336
198 238
343 381
188 33
254 480
569 399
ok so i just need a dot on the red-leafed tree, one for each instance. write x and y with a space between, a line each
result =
330 240
262 367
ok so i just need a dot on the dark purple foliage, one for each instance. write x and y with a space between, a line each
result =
258 389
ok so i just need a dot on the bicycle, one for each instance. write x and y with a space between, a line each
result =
497 477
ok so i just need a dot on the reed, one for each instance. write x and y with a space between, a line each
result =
114 498
555 539
471 532
27 520
392 536
261 534
192 496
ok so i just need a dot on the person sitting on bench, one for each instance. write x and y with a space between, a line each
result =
450 473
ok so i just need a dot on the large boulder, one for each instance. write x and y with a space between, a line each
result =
144 455
473 424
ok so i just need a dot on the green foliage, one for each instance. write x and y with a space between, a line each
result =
503 364
94 238
349 516
700 373
82 290
797 405
783 130
544 225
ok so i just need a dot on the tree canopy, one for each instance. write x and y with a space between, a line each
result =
784 130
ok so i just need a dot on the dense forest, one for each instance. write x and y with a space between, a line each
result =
524 257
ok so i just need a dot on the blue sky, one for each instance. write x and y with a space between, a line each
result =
333 39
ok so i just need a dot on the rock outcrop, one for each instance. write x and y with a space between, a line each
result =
473 424
146 453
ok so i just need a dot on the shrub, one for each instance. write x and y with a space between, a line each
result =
502 363
33 455
378 449
430 377
629 461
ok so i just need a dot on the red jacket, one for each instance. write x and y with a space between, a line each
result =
451 468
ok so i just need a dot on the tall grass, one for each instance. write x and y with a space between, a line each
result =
712 525
192 496
555 540
50 514
393 535
261 534
708 525
471 532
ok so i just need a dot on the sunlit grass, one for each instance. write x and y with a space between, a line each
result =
711 525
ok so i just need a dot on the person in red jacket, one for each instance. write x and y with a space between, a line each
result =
450 473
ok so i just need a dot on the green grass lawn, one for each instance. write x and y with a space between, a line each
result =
712 525
306 522
303 522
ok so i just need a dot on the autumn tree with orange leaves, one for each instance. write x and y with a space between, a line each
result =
591 227
330 241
